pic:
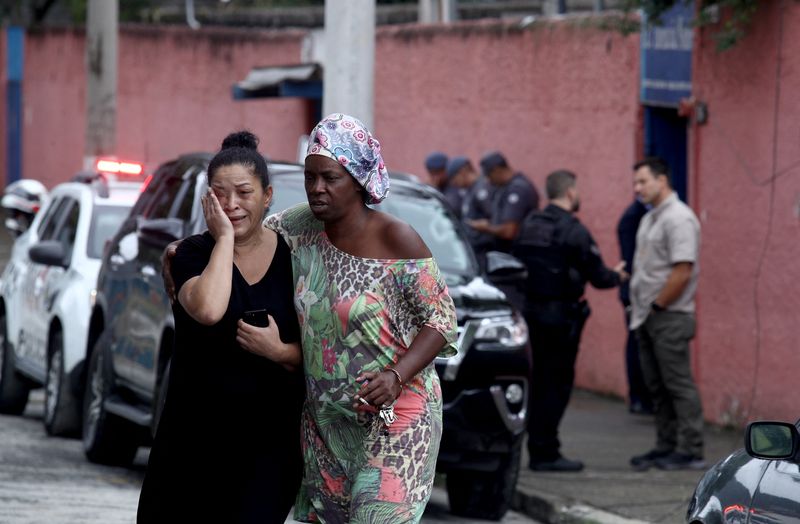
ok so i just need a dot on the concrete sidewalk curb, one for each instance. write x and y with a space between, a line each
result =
550 509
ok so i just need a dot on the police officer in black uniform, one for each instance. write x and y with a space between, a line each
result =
513 197
436 164
561 256
639 399
454 191
476 205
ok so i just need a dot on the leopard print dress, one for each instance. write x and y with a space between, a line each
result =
359 314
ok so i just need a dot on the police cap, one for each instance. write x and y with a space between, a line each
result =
491 161
455 165
436 160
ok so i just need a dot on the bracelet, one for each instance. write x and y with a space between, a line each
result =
396 374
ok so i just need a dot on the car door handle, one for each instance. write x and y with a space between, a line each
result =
38 284
148 271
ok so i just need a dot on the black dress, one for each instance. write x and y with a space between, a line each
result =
227 447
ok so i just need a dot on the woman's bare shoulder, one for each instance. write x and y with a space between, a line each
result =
400 240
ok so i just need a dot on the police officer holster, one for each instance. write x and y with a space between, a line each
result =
560 313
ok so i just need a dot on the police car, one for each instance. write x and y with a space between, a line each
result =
47 291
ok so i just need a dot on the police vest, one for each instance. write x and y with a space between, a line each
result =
542 245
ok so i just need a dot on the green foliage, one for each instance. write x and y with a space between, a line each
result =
77 11
729 19
734 27
129 10
300 3
138 10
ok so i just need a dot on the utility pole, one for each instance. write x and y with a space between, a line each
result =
349 72
554 7
434 11
101 70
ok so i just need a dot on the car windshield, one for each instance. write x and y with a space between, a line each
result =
436 226
426 214
105 222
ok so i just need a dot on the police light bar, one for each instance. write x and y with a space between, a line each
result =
119 168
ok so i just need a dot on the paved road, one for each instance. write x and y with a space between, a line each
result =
48 480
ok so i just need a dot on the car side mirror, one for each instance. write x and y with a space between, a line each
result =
49 253
502 268
771 440
159 231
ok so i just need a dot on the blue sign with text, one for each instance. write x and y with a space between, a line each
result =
667 57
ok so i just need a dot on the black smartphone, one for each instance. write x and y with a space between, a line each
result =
256 317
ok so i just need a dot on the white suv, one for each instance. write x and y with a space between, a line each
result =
47 294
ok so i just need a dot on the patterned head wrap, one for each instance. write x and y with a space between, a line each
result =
347 141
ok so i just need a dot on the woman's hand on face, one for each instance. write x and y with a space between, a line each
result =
378 389
218 223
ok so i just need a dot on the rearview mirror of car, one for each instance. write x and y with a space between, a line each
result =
771 440
502 268
49 253
159 231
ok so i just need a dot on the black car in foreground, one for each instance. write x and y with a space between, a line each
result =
485 386
757 484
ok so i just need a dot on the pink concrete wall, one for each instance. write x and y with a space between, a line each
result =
556 95
53 106
174 95
746 172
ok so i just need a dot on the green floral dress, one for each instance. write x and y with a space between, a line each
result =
359 314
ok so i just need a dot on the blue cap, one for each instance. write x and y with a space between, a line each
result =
491 161
436 160
455 164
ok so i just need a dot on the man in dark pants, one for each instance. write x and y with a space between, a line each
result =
561 256
639 401
665 275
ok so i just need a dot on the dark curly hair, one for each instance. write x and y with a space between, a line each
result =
240 148
658 166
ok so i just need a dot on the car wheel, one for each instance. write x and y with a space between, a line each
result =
485 494
61 415
13 388
107 438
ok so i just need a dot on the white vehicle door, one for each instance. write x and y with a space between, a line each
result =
43 283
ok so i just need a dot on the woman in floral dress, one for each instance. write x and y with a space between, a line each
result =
374 312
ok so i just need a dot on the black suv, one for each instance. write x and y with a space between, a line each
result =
485 387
